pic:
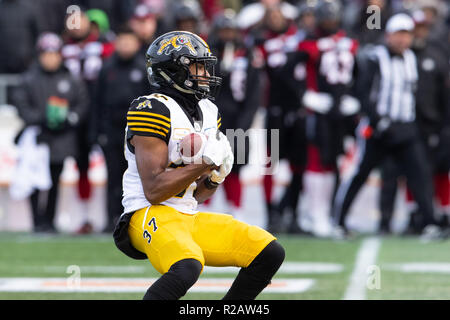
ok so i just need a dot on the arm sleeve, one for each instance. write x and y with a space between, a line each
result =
291 81
444 92
252 97
367 68
28 109
149 117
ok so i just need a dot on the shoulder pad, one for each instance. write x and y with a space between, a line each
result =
148 116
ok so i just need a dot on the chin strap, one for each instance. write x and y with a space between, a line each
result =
198 95
172 83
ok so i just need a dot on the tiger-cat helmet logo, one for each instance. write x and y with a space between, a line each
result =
176 43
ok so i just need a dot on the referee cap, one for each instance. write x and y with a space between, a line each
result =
399 22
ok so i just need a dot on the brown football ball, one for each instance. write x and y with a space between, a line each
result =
191 147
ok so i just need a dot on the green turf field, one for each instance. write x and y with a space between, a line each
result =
364 268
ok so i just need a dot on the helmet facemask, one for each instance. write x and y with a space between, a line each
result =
202 82
201 77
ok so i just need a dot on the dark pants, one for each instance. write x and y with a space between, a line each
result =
84 147
116 166
43 204
391 172
409 156
389 176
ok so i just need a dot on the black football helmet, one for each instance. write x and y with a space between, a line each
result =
328 16
328 10
169 58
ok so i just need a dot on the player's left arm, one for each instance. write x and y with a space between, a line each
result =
205 188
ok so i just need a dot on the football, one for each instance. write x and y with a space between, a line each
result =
191 147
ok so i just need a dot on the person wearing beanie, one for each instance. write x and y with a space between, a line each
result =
56 102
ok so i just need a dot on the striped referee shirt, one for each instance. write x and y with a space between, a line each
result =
394 95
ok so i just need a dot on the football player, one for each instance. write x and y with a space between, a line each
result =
328 56
274 39
161 193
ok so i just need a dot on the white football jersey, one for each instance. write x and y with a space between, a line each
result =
160 116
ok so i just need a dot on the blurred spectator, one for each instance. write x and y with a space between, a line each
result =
55 101
51 14
122 78
158 6
238 98
99 25
432 10
144 23
188 16
306 20
212 8
253 13
84 51
19 29
162 12
360 29
84 47
118 11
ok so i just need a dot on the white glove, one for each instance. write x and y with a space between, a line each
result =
226 144
349 105
320 102
214 152
218 176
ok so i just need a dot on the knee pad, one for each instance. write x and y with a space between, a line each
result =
187 271
176 282
269 260
253 279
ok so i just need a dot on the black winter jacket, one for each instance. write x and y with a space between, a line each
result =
32 97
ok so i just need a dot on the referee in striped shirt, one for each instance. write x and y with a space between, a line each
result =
386 86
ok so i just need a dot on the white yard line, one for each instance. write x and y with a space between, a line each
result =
288 267
366 256
419 267
137 285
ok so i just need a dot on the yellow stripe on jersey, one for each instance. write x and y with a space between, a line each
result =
149 130
142 124
150 114
167 125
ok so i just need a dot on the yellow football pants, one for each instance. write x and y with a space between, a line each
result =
166 236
